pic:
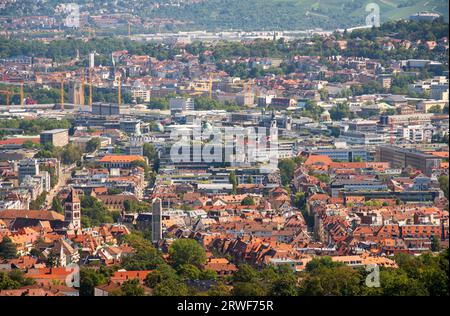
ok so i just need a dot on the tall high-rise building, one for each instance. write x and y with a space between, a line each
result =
72 210
156 220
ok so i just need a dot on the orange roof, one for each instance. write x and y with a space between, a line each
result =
18 141
318 160
31 214
121 158
122 276
351 165
318 197
442 154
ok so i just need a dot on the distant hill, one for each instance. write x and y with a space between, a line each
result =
242 14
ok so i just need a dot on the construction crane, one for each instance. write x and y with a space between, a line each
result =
22 94
83 83
10 93
119 93
62 93
7 95
210 86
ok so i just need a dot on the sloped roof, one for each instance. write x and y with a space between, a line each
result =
31 214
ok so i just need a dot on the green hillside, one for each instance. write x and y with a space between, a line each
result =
295 14
244 14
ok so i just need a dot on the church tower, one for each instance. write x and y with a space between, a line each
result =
72 210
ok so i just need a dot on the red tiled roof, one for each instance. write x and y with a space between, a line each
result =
121 158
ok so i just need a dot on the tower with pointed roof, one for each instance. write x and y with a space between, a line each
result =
72 210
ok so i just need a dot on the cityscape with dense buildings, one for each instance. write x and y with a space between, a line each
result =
223 161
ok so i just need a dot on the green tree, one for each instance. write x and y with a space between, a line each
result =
158 104
93 145
208 274
248 201
114 191
94 212
71 154
39 203
285 284
146 257
130 288
248 289
233 180
8 249
219 290
340 111
331 281
6 283
171 287
19 276
435 109
89 279
152 155
435 243
57 205
189 272
162 272
187 251
300 200
28 144
287 168
443 183
245 274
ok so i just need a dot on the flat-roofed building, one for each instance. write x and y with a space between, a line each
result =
342 154
181 104
105 109
402 158
406 119
426 105
55 137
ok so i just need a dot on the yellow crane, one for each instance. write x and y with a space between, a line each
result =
210 86
10 93
62 93
7 95
119 93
